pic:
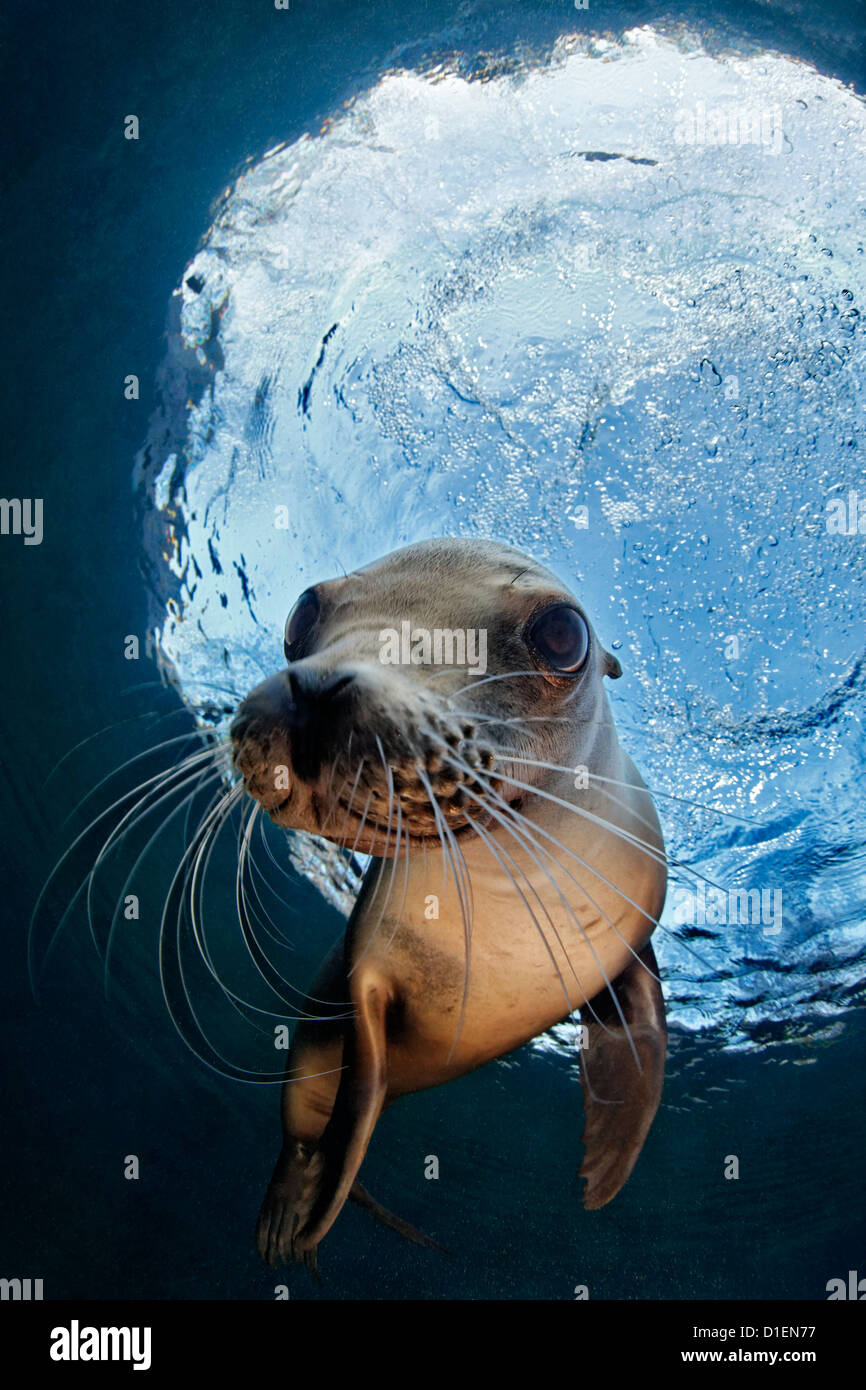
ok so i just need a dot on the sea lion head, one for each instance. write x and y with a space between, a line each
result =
406 686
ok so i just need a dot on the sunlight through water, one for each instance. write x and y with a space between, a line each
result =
605 308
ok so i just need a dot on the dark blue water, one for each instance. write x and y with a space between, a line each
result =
98 231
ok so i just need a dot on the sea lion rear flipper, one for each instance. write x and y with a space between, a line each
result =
359 1103
619 1100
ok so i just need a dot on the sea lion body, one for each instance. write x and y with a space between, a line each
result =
480 923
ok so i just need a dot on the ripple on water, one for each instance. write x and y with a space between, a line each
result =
538 307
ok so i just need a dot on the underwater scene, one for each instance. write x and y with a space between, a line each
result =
337 328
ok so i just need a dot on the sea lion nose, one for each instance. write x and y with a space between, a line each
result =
313 692
267 703
294 698
239 724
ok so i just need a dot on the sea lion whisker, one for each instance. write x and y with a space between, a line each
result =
149 685
256 869
341 839
246 911
532 762
514 817
529 719
146 753
276 935
443 827
245 873
452 847
540 830
392 802
476 774
500 855
242 903
406 860
135 815
225 1068
207 835
52 878
525 840
194 769
244 908
109 728
306 994
250 868
188 801
499 676
399 915
531 886
276 863
389 784
358 834
152 783
668 931
626 835
655 791
465 876
441 855
531 830
332 804
623 805
208 829
193 901
492 719
674 864
257 816
489 842
327 797
224 773
175 688
687 801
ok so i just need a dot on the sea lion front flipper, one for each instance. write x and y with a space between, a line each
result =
360 1098
619 1100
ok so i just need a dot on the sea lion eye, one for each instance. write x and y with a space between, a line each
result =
560 637
301 621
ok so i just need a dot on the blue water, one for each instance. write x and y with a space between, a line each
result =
669 339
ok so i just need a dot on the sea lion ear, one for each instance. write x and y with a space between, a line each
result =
612 667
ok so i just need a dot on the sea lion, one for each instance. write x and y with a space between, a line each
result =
518 864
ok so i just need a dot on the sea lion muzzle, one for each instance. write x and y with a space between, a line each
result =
303 734
301 715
